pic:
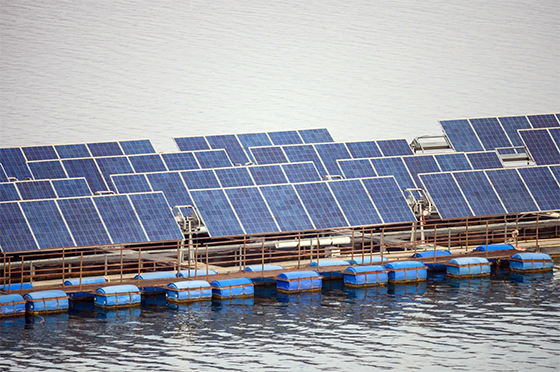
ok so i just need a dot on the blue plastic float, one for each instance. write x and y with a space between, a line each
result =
117 296
83 295
368 260
12 305
406 271
191 273
531 262
188 291
365 276
44 302
259 268
299 281
232 288
494 247
326 263
468 267
16 286
155 275
430 254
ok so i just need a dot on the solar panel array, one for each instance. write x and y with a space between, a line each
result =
494 191
45 189
543 144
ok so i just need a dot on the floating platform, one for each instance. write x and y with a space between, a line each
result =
152 276
406 271
365 276
531 262
232 288
46 302
299 281
325 273
468 267
84 295
12 305
118 296
259 268
189 291
437 253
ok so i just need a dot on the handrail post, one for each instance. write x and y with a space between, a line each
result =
299 250
262 258
538 249
353 245
382 244
467 235
63 263
363 245
318 251
21 278
121 263
371 246
207 270
486 239
139 262
244 258
81 268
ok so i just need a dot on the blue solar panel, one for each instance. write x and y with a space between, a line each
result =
84 221
289 137
71 187
191 143
217 213
365 149
357 168
253 140
330 153
120 218
268 155
252 210
355 202
180 161
491 133
88 169
30 190
479 193
543 121
72 151
156 217
395 147
388 199
555 169
542 186
234 177
287 208
453 162
231 144
446 195
15 234
555 133
40 153
9 192
47 224
105 149
47 170
14 163
315 135
147 163
485 160
511 124
394 167
3 175
129 183
301 153
461 135
321 205
420 164
301 172
512 190
135 147
201 179
213 159
540 144
113 165
268 174
172 186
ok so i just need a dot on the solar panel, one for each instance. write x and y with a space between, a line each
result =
268 174
15 234
461 135
191 143
301 172
231 144
511 124
330 153
446 195
180 161
3 175
234 177
540 144
47 170
289 137
389 199
320 135
357 168
365 149
420 164
135 147
555 133
252 210
217 213
201 179
355 202
301 153
113 165
84 222
104 149
47 224
453 162
213 159
30 190
485 160
156 217
395 147
147 163
71 187
287 208
542 186
88 169
321 205
512 190
555 169
491 133
172 186
14 163
479 193
40 153
543 121
248 140
120 219
9 192
394 167
130 183
79 150
268 155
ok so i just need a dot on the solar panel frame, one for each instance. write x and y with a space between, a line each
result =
213 159
356 168
479 192
71 187
318 135
394 147
285 137
221 219
84 222
453 162
268 174
461 135
155 216
268 155
364 149
9 192
172 186
324 216
33 190
286 207
87 168
355 202
131 183
14 162
252 210
109 148
542 186
147 163
121 220
301 172
490 133
512 190
234 177
191 143
305 153
200 179
485 160
446 195
543 121
47 224
138 146
330 153
46 152
15 233
388 199
3 175
231 144
541 146
178 161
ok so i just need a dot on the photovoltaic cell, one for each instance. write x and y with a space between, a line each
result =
301 172
395 147
104 149
201 179
71 187
542 186
248 140
172 186
3 175
252 210
320 135
446 195
479 193
84 221
394 167
213 159
47 224
355 202
191 143
86 168
485 160
268 174
120 219
217 213
14 163
491 134
113 165
268 155
555 169
512 124
512 191
365 149
231 145
130 183
30 190
8 192
461 135
321 205
388 199
543 121
453 162
47 170
287 208
180 161
147 163
234 177
420 164
555 133
156 217
289 137
540 144
135 147
302 153
40 153
72 151
357 168
330 153
15 234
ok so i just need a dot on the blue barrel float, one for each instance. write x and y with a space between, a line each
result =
368 260
299 281
16 286
233 288
12 305
116 296
494 247
192 273
189 291
325 273
365 276
155 275
45 302
431 254
531 262
259 268
83 295
468 267
406 271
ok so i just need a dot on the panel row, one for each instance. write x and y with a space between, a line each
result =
543 145
45 189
